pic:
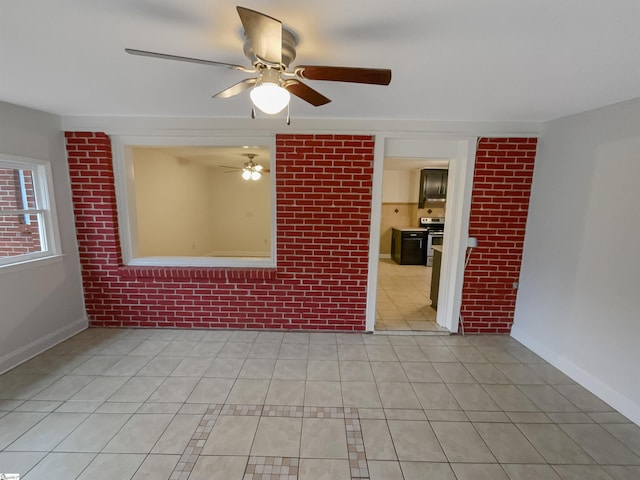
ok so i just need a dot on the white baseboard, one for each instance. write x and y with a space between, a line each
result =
600 389
26 352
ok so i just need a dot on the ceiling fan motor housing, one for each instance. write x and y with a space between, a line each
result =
289 42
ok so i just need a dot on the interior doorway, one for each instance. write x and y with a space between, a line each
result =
460 153
412 219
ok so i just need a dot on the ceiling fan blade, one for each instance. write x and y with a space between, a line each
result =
236 88
264 34
232 168
144 53
306 93
374 76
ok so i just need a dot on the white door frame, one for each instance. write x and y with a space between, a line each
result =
460 152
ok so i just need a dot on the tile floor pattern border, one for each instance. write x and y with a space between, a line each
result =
275 468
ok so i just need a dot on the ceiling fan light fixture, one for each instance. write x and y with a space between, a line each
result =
246 174
255 175
270 97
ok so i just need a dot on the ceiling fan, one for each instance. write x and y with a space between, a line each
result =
271 48
251 169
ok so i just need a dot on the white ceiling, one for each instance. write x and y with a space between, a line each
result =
468 60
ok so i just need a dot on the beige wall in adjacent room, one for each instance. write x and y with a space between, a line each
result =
242 227
172 205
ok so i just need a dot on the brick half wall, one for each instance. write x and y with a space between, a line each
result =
323 213
499 209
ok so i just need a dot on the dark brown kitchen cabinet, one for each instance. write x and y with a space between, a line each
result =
433 186
409 247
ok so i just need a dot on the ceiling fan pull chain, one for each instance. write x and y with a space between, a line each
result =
288 116
253 112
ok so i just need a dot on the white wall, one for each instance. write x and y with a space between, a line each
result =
580 283
43 304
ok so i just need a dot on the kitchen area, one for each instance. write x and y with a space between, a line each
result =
412 235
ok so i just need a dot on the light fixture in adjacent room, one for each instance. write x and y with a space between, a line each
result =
251 170
268 96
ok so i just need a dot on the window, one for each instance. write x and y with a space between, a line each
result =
190 205
27 230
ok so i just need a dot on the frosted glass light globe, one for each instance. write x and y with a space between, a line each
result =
270 97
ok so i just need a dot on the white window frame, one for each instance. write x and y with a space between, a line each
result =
45 210
125 199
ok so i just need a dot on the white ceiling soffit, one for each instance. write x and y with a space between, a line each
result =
391 163
452 60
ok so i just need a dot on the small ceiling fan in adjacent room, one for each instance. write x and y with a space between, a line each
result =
271 48
251 170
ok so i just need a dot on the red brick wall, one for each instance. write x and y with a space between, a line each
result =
499 207
16 236
323 218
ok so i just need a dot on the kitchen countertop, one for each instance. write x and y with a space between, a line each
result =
409 229
437 248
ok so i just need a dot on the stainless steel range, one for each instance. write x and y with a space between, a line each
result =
435 228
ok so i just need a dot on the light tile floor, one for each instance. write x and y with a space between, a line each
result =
243 405
403 299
